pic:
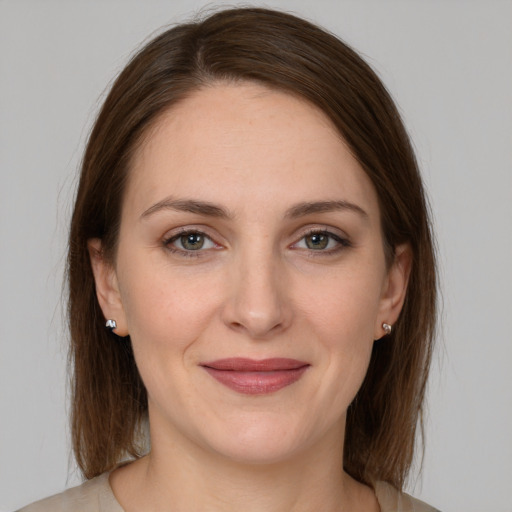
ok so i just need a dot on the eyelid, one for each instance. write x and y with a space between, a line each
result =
342 240
200 229
171 236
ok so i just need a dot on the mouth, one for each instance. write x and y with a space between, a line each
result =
256 377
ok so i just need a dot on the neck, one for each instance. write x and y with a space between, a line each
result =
181 476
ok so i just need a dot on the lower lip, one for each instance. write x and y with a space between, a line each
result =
257 383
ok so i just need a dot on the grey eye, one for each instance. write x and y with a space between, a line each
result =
192 241
317 241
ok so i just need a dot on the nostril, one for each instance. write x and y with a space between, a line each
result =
237 326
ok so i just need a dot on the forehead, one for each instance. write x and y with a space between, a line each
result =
246 141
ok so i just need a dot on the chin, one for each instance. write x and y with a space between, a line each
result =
258 442
261 453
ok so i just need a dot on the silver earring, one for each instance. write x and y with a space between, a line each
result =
387 328
111 324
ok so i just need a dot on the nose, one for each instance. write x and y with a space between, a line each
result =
258 303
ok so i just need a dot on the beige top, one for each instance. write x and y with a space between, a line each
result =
96 496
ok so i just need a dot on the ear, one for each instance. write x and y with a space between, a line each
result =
394 290
107 289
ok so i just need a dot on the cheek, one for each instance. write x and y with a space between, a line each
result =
344 319
166 310
165 317
346 307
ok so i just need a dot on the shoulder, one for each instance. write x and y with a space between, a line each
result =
92 496
391 500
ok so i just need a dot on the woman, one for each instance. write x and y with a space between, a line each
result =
252 279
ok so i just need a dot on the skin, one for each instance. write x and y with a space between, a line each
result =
259 288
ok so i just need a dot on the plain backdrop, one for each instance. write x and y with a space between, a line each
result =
449 66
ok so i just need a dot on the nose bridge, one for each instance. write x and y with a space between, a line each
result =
258 301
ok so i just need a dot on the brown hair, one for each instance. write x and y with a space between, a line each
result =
287 53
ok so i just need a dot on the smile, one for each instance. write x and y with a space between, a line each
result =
256 377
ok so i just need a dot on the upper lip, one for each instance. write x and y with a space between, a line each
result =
242 364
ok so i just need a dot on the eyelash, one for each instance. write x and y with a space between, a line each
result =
183 252
342 243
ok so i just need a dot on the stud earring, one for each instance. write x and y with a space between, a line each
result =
387 328
111 324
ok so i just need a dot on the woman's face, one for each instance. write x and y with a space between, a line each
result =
250 274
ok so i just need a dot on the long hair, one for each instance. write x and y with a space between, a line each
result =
286 53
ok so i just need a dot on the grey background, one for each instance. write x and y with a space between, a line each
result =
448 64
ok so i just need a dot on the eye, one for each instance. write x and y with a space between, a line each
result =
318 241
189 241
321 241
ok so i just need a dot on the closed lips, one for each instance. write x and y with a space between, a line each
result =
240 364
256 377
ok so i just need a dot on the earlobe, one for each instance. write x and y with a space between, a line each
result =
107 289
394 290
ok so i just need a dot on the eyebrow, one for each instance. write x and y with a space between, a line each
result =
308 208
211 210
187 205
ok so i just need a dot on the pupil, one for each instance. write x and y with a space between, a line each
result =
317 241
192 241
